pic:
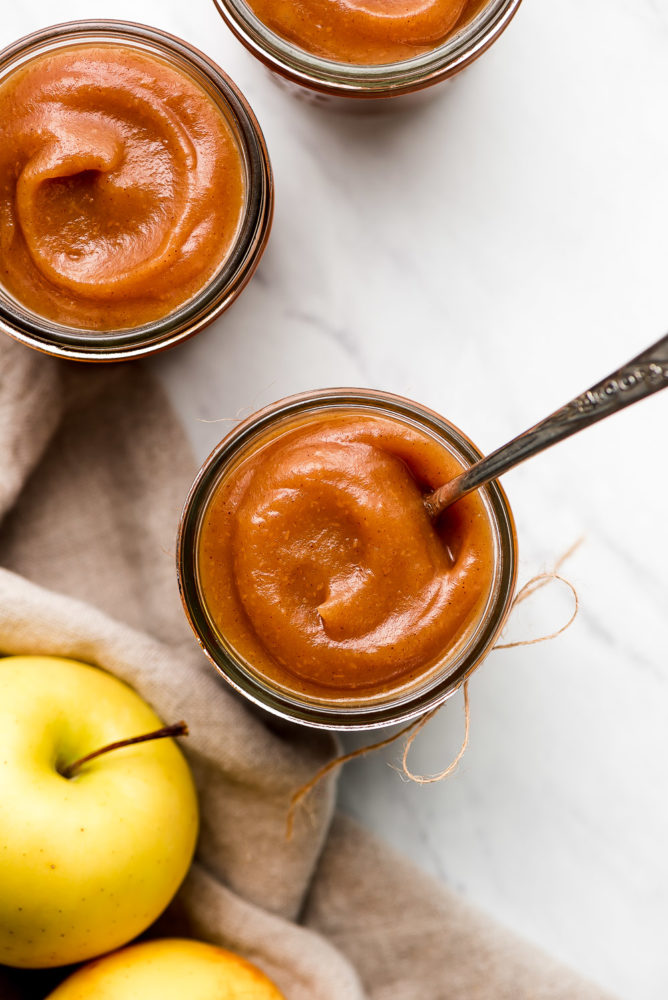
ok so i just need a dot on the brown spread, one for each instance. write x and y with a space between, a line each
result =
365 31
320 566
121 186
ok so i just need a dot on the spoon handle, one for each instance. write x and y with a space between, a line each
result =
644 375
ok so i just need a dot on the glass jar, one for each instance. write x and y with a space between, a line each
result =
424 692
325 79
252 234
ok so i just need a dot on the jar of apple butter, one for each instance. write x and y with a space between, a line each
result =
313 576
365 49
136 191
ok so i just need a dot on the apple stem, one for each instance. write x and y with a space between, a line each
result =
178 729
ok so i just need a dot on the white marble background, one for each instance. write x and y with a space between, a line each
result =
491 255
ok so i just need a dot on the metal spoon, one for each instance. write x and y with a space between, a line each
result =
641 377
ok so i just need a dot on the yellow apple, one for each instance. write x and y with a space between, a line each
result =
87 862
172 969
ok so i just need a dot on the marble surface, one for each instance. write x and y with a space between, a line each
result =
491 254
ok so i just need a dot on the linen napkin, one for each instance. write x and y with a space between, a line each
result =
94 468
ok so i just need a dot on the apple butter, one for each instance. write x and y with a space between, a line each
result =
365 31
319 564
122 186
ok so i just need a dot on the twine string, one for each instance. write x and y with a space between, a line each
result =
430 779
326 769
537 583
414 728
532 587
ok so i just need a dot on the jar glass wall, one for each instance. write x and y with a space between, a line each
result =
248 240
359 711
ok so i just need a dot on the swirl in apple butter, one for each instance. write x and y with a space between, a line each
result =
320 566
121 186
365 31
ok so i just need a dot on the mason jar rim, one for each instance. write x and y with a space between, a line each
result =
239 264
367 81
318 714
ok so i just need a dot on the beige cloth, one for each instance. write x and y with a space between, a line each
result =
94 469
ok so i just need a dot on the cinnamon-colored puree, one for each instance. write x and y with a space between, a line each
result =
320 566
366 31
121 186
